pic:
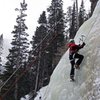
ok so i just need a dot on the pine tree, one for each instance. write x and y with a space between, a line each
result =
93 5
56 21
68 20
17 57
73 25
82 14
56 30
38 69
1 50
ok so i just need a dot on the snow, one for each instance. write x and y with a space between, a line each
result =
6 47
40 93
87 84
25 98
4 51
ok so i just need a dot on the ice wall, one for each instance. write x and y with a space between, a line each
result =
85 87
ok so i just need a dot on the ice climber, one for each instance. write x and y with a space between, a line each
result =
74 57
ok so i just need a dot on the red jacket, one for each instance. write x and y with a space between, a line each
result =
73 48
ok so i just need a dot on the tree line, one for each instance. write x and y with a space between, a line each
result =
31 68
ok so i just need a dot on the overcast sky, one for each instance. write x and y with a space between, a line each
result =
35 7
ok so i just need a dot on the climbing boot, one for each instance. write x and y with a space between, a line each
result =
72 78
77 66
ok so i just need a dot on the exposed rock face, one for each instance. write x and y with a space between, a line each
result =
93 5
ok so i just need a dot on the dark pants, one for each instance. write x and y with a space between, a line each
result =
72 58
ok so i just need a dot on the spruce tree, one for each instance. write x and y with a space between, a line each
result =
93 5
68 20
82 14
17 59
1 50
56 30
56 22
73 25
38 69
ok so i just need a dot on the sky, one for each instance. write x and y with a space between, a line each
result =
8 14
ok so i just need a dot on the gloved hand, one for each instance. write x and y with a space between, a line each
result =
83 44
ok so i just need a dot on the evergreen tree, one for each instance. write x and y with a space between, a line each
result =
39 69
1 50
68 20
82 14
17 57
93 5
56 30
56 21
73 25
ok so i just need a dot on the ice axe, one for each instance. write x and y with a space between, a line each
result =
81 38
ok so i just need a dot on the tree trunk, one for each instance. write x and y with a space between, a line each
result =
37 76
16 91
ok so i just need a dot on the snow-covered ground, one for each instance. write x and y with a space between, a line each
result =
87 84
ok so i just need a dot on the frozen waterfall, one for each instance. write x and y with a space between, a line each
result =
87 84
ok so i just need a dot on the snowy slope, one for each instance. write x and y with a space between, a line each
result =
87 85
